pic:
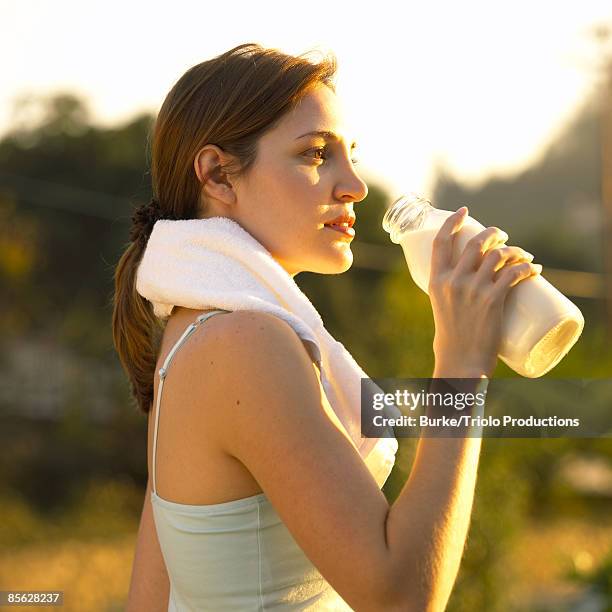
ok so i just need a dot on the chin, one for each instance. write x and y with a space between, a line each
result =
336 264
334 261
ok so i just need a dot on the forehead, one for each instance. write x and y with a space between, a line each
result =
319 110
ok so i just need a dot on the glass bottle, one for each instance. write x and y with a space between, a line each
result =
540 325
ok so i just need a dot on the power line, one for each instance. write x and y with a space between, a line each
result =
48 194
570 282
367 256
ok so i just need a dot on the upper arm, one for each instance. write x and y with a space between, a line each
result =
270 412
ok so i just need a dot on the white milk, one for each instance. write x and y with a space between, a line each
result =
540 325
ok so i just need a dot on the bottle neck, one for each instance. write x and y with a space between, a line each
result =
406 214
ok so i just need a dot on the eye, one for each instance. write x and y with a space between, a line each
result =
323 151
319 151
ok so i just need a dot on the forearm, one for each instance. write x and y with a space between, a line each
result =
149 585
428 523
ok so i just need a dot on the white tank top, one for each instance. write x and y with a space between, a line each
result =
235 555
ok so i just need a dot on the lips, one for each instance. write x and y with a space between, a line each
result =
345 230
345 220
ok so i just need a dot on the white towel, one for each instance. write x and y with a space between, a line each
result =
216 263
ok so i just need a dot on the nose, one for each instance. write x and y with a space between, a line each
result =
351 186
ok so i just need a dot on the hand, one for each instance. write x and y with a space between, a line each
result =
467 300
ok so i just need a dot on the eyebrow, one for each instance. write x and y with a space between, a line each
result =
325 134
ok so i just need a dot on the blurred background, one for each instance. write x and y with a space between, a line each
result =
507 109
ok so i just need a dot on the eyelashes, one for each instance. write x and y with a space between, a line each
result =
324 152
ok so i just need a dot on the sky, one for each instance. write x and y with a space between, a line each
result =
480 87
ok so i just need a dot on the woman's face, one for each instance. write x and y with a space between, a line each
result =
300 182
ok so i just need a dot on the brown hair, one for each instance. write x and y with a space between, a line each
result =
230 101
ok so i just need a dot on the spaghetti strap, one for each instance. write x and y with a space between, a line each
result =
163 371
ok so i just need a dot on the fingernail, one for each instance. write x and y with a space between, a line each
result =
462 210
537 267
529 255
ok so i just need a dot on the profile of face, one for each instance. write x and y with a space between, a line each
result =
300 181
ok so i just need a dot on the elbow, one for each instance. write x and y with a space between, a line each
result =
402 600
405 586
402 594
394 596
380 595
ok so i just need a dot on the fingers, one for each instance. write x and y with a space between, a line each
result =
471 258
495 259
442 251
511 275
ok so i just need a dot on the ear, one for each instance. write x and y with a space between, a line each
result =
208 164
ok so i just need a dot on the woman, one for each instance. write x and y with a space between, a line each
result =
240 137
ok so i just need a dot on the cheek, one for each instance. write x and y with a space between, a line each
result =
281 177
294 195
288 200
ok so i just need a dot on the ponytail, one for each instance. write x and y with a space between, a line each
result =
231 101
136 330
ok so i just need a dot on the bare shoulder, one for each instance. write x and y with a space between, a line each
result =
259 356
271 414
258 338
247 323
245 348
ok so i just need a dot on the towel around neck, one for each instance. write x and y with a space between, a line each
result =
216 263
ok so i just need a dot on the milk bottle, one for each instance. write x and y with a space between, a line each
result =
540 325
